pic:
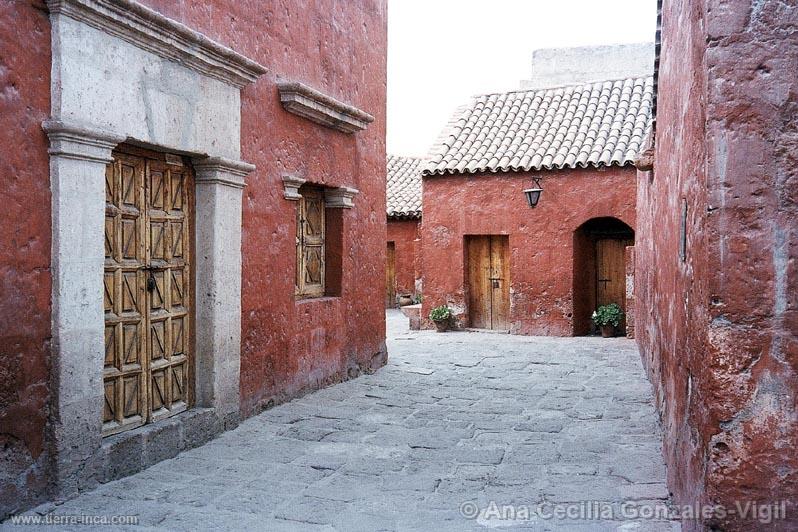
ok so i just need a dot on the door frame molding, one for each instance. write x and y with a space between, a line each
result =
117 93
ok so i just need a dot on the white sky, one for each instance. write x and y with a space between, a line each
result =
441 52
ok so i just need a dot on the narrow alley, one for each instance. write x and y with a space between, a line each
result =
460 431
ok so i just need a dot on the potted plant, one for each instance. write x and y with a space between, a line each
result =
441 316
607 318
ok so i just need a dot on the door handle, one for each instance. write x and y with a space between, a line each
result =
151 283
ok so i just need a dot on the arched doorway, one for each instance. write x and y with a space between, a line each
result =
599 268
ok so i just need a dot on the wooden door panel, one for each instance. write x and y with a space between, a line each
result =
178 289
156 188
479 289
123 292
158 345
131 293
110 235
147 296
177 192
170 296
157 241
610 272
132 346
500 282
178 385
177 250
130 183
158 392
179 336
109 404
131 393
156 292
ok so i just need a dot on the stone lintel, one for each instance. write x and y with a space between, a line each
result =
222 171
318 107
340 198
146 28
292 184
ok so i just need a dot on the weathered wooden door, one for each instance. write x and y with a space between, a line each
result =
611 271
390 276
148 349
488 277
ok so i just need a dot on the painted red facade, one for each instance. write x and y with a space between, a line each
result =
716 271
406 236
288 347
543 240
24 253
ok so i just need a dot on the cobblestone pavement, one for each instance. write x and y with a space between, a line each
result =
454 422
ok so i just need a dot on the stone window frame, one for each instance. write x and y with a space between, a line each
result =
82 137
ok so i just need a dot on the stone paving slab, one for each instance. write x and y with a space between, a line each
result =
460 431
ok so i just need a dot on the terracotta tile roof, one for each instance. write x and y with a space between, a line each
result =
595 124
404 187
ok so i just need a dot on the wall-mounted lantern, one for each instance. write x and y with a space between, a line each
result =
533 194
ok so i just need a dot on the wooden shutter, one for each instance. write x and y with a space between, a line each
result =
310 243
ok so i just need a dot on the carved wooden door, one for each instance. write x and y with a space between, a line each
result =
488 281
147 282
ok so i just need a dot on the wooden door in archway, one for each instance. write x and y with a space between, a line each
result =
611 272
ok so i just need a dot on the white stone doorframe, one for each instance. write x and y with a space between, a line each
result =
122 72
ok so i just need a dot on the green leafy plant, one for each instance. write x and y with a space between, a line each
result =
418 298
608 315
441 313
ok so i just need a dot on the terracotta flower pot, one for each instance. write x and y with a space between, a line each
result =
441 325
405 300
607 331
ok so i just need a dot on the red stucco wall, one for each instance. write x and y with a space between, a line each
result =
24 253
406 236
541 239
338 47
718 331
